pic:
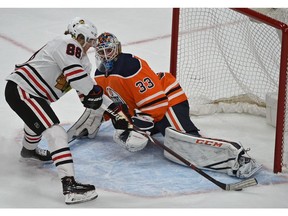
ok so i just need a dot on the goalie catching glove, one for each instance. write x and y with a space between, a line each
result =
130 140
124 134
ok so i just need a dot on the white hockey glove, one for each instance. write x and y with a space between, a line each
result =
130 140
90 121
143 121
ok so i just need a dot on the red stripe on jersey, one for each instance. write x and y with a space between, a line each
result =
36 108
74 72
37 83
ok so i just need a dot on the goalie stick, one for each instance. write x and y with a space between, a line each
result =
228 187
83 133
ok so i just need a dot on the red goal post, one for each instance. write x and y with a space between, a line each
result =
212 44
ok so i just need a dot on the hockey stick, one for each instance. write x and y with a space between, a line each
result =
228 187
83 133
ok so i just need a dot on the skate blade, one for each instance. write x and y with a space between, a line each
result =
34 161
74 198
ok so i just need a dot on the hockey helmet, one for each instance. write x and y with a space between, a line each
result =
84 27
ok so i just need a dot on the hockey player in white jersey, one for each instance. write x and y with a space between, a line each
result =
60 65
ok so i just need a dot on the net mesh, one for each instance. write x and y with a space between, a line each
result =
229 62
225 57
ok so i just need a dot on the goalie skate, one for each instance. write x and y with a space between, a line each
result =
248 167
75 192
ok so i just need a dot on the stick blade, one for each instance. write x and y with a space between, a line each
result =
242 184
83 133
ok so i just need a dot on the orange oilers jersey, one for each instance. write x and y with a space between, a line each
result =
134 83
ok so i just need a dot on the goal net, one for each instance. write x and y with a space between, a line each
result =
230 60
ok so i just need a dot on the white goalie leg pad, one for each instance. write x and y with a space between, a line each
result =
130 140
210 154
90 120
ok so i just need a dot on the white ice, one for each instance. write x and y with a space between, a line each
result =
145 33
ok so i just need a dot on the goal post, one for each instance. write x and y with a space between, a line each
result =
229 60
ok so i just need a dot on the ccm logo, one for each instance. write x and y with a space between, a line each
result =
209 142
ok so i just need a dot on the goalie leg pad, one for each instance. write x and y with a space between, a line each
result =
130 140
90 120
210 154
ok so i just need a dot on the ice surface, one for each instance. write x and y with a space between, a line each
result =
123 180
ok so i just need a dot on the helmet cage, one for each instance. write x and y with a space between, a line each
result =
108 47
107 51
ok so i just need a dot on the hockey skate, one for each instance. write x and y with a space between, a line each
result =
37 154
248 167
75 192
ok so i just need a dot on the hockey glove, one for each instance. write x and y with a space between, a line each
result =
143 121
131 140
94 99
120 116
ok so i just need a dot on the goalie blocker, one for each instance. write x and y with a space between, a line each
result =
210 154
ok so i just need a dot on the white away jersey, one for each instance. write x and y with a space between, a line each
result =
54 69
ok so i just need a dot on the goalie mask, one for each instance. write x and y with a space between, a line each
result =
107 48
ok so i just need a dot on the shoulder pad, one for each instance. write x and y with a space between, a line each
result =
128 65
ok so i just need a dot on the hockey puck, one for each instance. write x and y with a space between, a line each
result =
240 189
